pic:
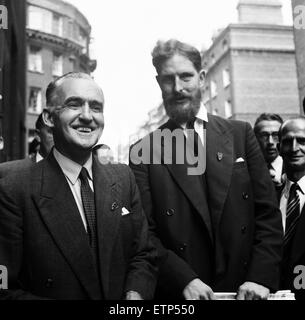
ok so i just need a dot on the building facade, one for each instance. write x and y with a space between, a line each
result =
58 39
251 65
298 11
12 79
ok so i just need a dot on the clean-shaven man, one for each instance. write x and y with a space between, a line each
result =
72 228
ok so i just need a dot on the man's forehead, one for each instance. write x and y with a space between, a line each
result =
294 128
268 125
80 87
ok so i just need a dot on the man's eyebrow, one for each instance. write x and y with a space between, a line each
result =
74 98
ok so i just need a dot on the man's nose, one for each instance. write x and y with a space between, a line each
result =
271 139
86 113
178 86
295 145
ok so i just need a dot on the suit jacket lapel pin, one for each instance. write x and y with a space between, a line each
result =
219 156
114 206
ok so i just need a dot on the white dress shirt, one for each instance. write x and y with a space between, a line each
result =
277 168
71 171
285 196
201 117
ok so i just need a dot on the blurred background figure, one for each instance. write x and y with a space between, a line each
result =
104 153
43 141
266 129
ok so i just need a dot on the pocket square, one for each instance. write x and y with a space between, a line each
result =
239 160
124 211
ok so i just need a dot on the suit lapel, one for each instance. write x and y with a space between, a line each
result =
219 166
108 206
191 185
61 216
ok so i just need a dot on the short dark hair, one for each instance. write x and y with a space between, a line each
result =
267 117
39 123
57 82
164 50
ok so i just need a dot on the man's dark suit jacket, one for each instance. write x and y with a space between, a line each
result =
234 236
44 245
9 167
296 257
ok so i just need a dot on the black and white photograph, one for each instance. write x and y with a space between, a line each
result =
152 150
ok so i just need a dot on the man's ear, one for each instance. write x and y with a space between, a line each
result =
201 78
47 118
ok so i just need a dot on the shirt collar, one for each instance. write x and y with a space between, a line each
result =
70 168
289 183
38 157
202 115
277 163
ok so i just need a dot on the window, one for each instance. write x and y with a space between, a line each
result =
225 45
226 77
82 39
228 109
35 101
213 58
213 87
57 25
40 19
57 67
35 60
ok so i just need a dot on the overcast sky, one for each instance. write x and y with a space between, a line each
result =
124 33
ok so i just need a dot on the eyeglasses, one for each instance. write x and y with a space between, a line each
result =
266 135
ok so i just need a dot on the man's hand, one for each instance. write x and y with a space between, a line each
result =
197 290
252 291
133 295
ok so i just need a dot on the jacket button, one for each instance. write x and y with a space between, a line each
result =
182 247
170 212
245 195
49 283
243 229
114 206
245 264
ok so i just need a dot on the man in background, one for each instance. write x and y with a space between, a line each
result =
41 145
292 149
266 130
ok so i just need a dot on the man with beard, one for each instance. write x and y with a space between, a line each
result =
266 130
71 227
218 229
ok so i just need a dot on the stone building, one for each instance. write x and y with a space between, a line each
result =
298 11
251 65
58 39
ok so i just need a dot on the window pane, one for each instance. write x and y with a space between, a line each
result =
57 68
35 60
35 101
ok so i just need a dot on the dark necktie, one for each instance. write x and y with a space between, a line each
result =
292 215
89 206
197 141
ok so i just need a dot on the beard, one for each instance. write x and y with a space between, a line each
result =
181 108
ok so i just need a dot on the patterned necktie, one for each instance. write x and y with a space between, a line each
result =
292 214
89 206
